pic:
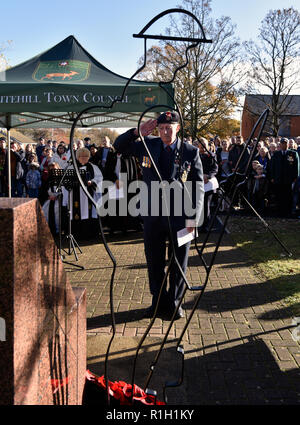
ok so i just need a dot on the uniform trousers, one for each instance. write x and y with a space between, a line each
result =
156 235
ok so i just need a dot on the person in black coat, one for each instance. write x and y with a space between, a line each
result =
39 148
3 154
117 164
17 167
104 155
235 153
238 159
94 157
179 164
210 170
284 172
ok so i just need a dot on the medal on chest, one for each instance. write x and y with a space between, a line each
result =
146 162
177 158
186 168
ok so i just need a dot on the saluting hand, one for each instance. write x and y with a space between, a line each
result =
146 128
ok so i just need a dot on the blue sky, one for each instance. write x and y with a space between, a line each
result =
105 27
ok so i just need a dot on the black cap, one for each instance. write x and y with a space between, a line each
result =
169 117
284 140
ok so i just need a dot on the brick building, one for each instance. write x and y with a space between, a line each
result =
254 105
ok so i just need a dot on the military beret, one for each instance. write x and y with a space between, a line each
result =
170 117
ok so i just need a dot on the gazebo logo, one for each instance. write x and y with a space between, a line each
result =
62 70
150 99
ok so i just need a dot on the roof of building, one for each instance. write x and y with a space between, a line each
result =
257 103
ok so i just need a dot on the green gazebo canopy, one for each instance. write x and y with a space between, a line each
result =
51 88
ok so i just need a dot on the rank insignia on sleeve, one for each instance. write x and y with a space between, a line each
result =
146 162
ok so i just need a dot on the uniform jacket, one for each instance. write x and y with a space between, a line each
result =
284 169
190 171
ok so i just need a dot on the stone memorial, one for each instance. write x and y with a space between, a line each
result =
42 319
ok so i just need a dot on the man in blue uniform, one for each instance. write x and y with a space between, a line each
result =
180 166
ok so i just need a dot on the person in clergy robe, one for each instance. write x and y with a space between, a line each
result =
116 164
83 212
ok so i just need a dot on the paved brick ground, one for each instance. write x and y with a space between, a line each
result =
238 347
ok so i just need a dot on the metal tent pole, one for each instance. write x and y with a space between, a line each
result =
8 162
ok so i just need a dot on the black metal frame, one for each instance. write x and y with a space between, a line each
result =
62 177
235 187
78 118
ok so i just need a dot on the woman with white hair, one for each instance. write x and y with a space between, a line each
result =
263 157
82 209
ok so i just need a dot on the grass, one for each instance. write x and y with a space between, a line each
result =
269 258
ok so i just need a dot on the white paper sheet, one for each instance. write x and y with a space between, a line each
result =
183 236
115 193
212 184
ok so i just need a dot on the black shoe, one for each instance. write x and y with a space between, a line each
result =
148 314
178 315
139 228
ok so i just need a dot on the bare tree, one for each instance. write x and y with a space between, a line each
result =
206 89
275 62
3 59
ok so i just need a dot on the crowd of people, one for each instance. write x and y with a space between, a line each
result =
273 183
32 176
272 187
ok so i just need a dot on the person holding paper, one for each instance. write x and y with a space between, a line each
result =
180 167
83 212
